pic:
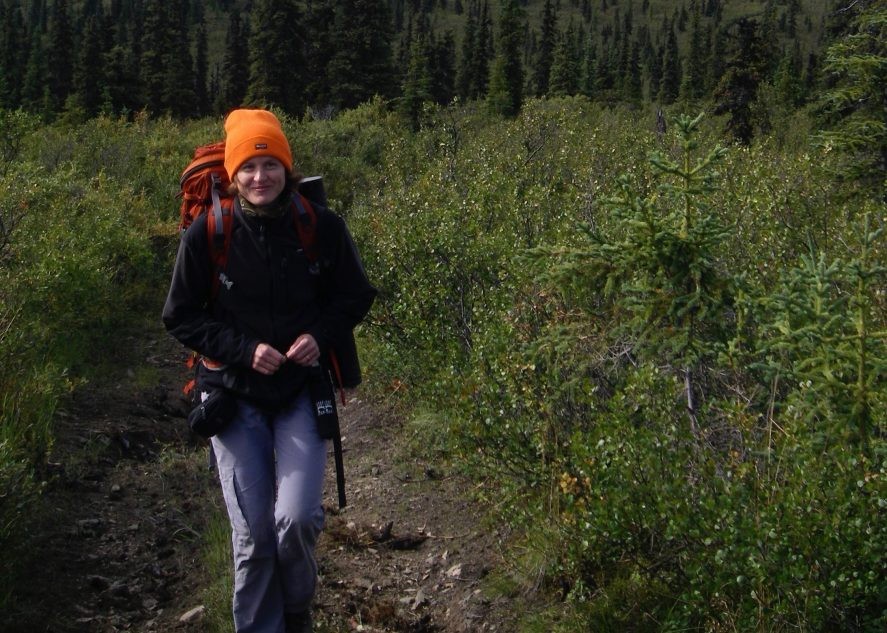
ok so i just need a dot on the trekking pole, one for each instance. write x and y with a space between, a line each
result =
340 469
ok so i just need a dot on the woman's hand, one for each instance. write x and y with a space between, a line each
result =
267 360
305 351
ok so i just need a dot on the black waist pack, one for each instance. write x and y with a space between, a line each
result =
213 412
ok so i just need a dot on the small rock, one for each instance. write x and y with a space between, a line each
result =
193 615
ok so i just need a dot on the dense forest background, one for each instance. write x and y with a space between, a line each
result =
630 257
191 58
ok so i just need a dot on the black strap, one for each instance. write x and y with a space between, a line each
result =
304 218
340 469
219 234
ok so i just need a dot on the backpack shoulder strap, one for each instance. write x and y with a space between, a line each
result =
219 224
305 219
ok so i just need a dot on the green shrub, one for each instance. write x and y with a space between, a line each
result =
77 263
642 393
677 497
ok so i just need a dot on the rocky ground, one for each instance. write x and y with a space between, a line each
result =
120 546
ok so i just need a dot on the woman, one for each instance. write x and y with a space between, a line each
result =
275 314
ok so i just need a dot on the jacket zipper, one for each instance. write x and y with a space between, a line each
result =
267 252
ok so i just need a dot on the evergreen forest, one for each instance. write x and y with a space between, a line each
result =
75 60
630 257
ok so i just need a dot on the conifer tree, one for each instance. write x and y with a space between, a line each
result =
201 70
34 95
276 56
654 72
716 59
402 59
416 89
647 49
633 86
670 84
788 80
38 16
855 104
811 74
13 54
178 94
88 9
589 68
693 79
361 66
129 33
738 87
443 80
320 17
89 82
483 53
234 74
769 36
545 50
565 67
155 44
605 80
624 56
464 78
506 96
791 18
683 17
122 91
498 100
107 29
59 58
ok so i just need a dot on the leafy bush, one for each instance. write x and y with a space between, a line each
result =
75 266
686 421
678 498
347 151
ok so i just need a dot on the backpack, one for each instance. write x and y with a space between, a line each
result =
204 188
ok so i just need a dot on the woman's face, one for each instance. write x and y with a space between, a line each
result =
260 180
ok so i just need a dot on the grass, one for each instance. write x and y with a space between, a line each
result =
219 570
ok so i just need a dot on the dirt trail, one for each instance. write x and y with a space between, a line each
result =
129 493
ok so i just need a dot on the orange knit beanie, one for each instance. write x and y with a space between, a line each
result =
250 133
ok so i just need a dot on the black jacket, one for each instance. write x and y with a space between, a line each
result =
269 292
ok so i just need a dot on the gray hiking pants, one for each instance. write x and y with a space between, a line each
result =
271 468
